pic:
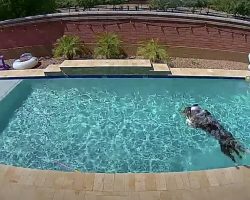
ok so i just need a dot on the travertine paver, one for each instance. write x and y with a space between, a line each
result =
52 69
212 179
209 72
140 184
19 183
160 181
88 182
130 182
98 182
107 63
108 183
198 180
171 181
150 182
119 182
22 73
161 67
54 179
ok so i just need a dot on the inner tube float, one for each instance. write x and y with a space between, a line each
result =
26 61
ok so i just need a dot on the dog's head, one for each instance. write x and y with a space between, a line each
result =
187 112
190 110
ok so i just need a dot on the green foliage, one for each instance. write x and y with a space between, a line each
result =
108 46
86 3
196 3
21 8
236 7
68 46
153 51
65 3
164 4
240 7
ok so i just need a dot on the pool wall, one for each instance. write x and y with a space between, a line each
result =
12 95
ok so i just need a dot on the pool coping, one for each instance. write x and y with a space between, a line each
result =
18 183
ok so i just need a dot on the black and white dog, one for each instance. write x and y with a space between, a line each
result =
202 119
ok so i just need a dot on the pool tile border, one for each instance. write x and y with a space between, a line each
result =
122 76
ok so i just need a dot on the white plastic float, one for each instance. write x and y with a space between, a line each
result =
26 61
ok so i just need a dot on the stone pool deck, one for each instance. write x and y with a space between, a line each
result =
209 72
220 184
119 67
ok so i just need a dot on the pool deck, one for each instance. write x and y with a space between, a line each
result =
209 72
220 184
130 66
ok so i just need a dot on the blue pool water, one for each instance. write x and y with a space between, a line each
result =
119 125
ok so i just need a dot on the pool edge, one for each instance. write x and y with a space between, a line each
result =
119 186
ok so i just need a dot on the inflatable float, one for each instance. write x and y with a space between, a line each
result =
26 61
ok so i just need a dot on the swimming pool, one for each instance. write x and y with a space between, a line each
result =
119 125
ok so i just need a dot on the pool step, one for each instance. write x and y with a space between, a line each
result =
53 70
106 67
161 69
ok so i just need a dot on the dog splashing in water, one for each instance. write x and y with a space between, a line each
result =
202 119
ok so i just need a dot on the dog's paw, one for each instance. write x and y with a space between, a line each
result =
236 165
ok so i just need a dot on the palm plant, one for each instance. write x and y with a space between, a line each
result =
108 46
153 51
68 46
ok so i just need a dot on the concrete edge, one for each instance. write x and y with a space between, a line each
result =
127 14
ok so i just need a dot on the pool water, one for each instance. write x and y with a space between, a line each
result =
120 125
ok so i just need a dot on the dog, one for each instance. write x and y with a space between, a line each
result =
203 119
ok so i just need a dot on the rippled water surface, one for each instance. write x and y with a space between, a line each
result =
120 125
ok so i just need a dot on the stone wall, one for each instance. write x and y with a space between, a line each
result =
184 35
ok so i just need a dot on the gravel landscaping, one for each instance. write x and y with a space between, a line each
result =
207 64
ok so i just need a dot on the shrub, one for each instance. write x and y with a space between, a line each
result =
69 47
108 46
65 3
153 51
241 7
